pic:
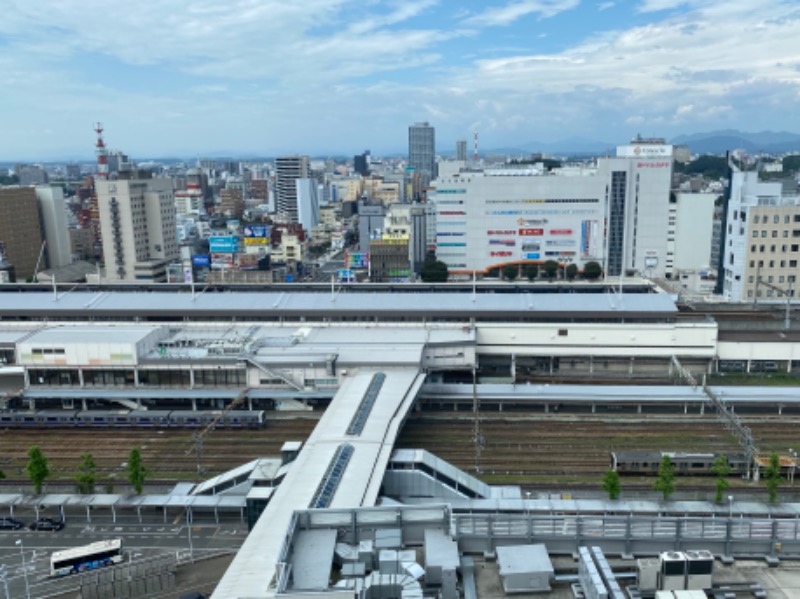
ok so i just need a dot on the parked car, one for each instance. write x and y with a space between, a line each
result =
47 524
10 524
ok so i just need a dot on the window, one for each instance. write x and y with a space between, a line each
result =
753 248
769 279
776 219
783 248
750 279
772 263
780 279
772 249
750 293
774 233
755 218
795 247
786 233
763 233
783 263
792 263
796 218
755 233
752 263
762 248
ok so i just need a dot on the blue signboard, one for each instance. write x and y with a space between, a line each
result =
344 274
289 278
258 231
223 243
201 260
531 256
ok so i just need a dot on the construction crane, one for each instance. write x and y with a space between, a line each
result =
199 436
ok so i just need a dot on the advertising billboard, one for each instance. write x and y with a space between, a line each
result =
223 243
645 151
560 231
531 232
532 256
505 242
221 260
201 260
255 231
262 241
356 260
589 239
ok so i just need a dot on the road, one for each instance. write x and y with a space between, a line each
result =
140 541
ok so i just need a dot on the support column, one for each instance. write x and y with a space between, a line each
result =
639 409
191 378
551 364
594 408
194 404
630 367
591 364
83 404
136 377
80 377
514 367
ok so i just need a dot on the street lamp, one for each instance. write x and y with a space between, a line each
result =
24 568
730 506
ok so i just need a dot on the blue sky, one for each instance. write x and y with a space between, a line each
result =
170 77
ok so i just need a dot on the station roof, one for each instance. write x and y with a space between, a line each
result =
353 302
71 335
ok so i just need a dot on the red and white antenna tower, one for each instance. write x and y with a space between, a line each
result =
475 147
102 153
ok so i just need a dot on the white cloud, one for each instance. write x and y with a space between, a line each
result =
605 6
508 13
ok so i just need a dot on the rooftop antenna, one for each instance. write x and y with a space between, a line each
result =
102 153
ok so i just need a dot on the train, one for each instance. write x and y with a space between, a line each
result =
233 419
645 463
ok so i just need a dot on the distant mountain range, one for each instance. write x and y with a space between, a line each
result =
718 142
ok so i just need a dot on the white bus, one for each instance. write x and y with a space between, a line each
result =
88 557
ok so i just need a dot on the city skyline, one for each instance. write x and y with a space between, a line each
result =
335 76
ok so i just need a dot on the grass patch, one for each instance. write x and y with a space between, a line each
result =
772 379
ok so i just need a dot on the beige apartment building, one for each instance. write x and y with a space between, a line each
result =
137 218
773 251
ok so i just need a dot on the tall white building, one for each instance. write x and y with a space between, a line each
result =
615 214
690 232
761 248
137 217
307 191
53 216
287 170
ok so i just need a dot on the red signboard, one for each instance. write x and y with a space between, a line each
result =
560 231
501 253
531 232
652 164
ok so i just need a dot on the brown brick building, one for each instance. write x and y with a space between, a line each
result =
20 229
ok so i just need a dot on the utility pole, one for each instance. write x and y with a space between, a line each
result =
787 293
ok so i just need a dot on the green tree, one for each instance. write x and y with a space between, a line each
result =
550 268
592 271
433 270
665 483
772 476
86 474
611 484
2 475
510 272
37 468
571 272
136 470
531 271
722 469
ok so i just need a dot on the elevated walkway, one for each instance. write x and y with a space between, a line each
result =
420 473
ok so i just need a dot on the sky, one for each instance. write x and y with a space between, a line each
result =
268 77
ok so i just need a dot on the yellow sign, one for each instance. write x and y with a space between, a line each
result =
256 240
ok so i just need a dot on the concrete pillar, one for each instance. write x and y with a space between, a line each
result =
136 377
702 408
780 409
84 407
639 409
194 404
191 378
551 364
594 408
748 367
546 407
591 364
80 377
514 366
630 367
686 408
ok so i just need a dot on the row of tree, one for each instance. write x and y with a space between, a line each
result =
435 271
38 470
665 481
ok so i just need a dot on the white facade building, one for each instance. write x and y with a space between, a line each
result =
53 215
761 251
689 232
307 191
137 217
615 214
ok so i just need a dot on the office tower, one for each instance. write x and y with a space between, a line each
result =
461 150
422 151
73 171
231 202
19 229
53 217
137 217
287 170
361 164
761 247
30 175
307 203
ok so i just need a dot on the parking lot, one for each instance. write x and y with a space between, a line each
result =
141 541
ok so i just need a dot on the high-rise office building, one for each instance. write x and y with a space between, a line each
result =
137 217
19 229
287 170
422 151
307 203
461 150
361 163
